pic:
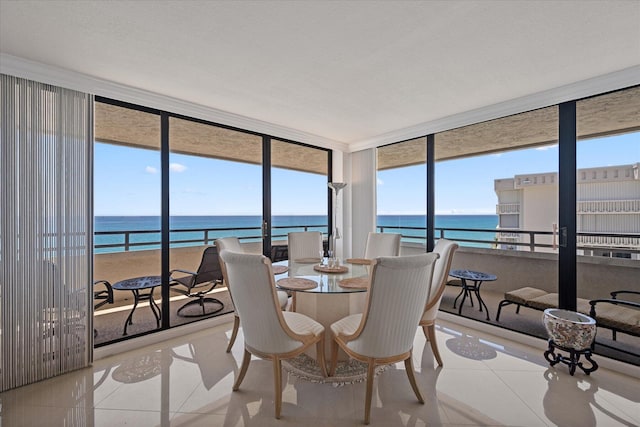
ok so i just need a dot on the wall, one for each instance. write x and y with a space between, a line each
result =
539 212
596 276
363 199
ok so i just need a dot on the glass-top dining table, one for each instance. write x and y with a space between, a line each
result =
308 275
324 294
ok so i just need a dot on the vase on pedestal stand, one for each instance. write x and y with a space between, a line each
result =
571 332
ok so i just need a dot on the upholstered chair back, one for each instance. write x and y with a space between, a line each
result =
446 249
382 244
253 291
304 244
229 243
396 301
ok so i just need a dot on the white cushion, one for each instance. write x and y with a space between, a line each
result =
346 325
301 324
283 299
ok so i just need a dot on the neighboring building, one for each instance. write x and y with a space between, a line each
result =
608 202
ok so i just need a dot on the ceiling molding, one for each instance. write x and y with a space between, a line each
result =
608 82
23 68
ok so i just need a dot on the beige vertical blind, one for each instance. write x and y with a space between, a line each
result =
46 227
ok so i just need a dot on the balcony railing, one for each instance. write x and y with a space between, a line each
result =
507 208
487 238
532 240
609 207
150 239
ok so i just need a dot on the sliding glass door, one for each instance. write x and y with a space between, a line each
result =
299 191
215 191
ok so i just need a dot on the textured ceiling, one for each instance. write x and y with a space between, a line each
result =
344 70
607 114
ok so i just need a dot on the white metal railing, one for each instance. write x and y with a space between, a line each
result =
508 208
510 237
608 206
609 241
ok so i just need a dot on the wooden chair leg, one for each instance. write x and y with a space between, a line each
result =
431 333
320 357
334 357
425 332
371 368
277 379
408 365
243 369
234 333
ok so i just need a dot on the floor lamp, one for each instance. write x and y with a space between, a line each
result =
335 233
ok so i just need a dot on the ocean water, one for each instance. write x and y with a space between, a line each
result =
194 230
445 226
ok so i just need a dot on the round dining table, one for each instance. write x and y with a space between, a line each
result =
324 294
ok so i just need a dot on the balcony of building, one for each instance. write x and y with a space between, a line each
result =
597 277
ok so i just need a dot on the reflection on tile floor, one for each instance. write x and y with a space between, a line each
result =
486 381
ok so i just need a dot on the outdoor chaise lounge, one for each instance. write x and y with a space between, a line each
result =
613 313
617 314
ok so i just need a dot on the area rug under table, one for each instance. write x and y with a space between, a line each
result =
347 371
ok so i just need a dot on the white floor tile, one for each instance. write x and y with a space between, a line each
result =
486 380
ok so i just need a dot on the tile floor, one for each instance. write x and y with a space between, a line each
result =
186 381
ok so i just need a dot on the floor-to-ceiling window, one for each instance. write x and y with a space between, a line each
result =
166 186
299 192
215 190
127 209
498 193
401 191
608 210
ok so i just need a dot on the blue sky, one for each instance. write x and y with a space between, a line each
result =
127 181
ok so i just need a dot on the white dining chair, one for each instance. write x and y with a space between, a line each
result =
384 333
304 245
445 249
233 244
269 332
382 244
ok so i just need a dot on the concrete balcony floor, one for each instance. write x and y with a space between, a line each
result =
109 323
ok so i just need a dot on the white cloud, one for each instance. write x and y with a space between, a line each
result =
177 167
379 181
150 169
547 147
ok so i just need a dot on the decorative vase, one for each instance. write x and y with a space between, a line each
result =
571 332
569 329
